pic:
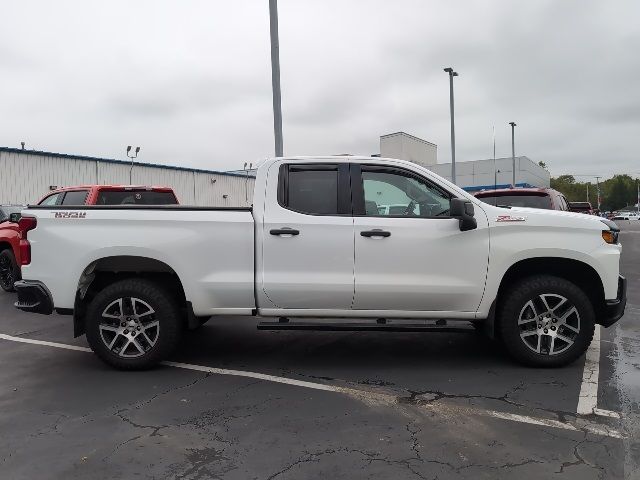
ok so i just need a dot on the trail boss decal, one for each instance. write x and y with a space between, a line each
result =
70 214
510 218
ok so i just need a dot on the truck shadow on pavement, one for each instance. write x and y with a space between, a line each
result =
466 365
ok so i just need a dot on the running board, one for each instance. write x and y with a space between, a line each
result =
457 327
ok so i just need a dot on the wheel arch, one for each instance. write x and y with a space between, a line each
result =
104 271
575 271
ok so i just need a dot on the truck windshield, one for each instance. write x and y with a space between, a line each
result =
135 197
530 201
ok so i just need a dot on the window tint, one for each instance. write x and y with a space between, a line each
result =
390 192
51 200
529 201
75 198
312 190
110 197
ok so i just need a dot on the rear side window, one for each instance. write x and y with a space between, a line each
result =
311 189
133 197
51 199
75 198
530 201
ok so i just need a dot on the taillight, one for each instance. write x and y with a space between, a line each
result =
25 225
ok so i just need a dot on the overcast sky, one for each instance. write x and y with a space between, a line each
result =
190 81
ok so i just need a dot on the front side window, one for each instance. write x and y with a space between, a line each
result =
397 193
75 198
311 189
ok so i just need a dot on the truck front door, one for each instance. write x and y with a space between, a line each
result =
307 257
409 254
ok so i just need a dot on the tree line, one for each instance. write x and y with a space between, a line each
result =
615 193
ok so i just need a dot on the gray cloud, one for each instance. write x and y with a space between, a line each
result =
190 81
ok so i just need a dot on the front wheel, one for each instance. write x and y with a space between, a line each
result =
546 321
9 271
133 324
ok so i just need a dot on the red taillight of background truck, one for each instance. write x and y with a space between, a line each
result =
26 224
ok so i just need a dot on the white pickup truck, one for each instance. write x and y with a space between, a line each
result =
318 248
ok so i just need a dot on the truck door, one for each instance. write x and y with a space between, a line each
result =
409 254
307 257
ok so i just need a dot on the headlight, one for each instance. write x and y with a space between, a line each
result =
611 235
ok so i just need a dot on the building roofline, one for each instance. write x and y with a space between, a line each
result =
410 136
110 160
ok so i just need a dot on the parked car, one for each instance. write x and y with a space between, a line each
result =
9 246
310 246
627 216
581 207
546 198
110 195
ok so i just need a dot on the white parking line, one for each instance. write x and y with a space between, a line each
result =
371 398
588 399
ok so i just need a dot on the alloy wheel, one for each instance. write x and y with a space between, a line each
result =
549 324
129 327
6 272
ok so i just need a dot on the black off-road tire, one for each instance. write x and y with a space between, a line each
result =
514 301
9 260
166 312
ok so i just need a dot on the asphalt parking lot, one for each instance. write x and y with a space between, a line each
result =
238 403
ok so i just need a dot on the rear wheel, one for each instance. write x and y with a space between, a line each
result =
546 321
9 271
133 324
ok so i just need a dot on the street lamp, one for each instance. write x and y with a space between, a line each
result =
513 153
275 76
135 155
452 74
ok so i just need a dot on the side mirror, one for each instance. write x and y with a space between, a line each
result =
462 209
14 217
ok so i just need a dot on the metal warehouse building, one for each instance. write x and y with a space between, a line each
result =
471 175
27 175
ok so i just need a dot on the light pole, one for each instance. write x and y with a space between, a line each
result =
513 153
598 192
275 76
452 74
135 155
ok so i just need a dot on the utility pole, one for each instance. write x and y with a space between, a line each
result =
598 191
513 153
452 74
587 191
275 76
135 155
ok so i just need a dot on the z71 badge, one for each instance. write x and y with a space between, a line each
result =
70 215
510 218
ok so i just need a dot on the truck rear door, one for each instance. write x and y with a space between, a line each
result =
308 237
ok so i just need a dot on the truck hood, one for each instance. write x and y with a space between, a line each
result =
540 217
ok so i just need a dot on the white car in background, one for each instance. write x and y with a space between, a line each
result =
627 216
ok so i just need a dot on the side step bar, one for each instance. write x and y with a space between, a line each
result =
457 327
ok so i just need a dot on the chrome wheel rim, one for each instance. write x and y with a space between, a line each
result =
129 328
549 324
6 272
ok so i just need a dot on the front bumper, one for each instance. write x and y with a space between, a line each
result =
33 297
614 309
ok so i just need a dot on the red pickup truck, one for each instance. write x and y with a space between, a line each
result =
14 253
